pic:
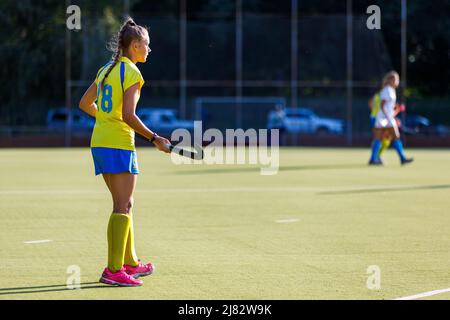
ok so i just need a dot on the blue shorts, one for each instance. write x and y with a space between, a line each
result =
109 160
372 121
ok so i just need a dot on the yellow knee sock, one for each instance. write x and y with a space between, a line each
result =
385 143
118 230
131 258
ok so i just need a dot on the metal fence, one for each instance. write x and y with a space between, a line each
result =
330 63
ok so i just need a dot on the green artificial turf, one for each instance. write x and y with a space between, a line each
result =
214 231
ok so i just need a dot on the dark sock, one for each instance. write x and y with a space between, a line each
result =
376 145
398 146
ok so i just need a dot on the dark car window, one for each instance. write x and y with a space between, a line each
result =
59 117
166 118
299 115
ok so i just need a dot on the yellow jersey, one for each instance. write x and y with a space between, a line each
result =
376 106
110 131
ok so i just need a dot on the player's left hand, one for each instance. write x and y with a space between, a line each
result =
402 107
162 144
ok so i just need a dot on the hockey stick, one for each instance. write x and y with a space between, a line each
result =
197 155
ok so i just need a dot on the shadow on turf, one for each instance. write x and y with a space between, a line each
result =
52 288
284 168
375 190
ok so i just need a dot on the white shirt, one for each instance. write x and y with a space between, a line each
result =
390 98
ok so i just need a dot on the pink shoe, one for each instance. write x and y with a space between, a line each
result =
120 278
140 270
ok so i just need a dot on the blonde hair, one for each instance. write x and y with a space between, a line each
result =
388 77
128 32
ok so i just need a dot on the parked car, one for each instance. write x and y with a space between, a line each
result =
304 120
415 124
81 122
163 121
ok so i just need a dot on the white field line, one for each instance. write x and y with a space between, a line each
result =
101 190
37 241
424 294
286 221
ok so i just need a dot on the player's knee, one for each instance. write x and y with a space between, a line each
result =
123 207
130 204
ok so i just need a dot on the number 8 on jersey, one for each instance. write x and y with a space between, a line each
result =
107 98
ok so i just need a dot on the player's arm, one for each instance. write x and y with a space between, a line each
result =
396 110
399 108
130 99
87 102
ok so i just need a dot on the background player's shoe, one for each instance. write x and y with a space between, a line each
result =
376 162
140 270
407 160
119 278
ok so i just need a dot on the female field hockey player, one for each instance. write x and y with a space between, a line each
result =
386 125
116 90
374 107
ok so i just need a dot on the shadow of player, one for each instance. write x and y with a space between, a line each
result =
51 288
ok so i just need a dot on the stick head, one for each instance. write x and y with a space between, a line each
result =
197 155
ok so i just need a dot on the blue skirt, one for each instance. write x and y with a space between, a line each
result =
110 160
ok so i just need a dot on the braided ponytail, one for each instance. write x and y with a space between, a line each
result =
128 32
115 60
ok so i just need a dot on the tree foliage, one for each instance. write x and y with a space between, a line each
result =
32 41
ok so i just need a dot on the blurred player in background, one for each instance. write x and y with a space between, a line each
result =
117 89
374 107
386 125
